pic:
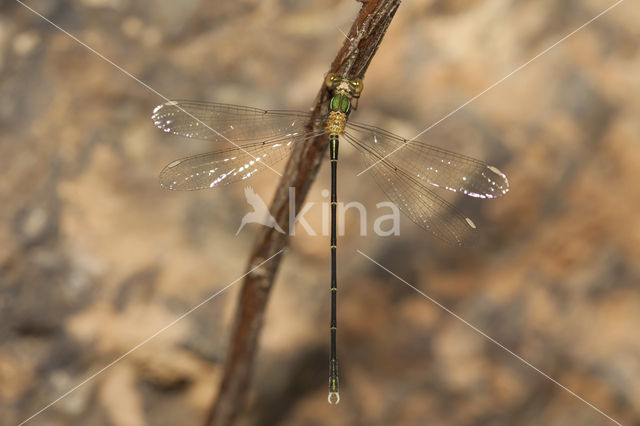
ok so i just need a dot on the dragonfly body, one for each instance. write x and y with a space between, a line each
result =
339 109
406 170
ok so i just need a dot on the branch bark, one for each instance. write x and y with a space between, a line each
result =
352 60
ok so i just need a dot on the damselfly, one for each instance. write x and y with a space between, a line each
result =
406 170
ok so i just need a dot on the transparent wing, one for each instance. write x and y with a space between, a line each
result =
432 165
415 199
222 122
227 166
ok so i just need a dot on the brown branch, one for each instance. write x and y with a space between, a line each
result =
352 61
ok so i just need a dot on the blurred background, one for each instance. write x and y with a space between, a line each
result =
95 257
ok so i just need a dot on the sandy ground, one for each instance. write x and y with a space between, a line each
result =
95 257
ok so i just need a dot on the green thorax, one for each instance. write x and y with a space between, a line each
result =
340 102
343 89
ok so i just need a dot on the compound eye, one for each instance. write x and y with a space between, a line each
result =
331 80
357 85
